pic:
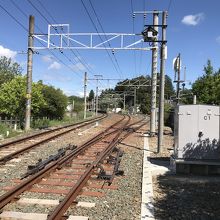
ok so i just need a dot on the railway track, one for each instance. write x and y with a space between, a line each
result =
15 148
75 170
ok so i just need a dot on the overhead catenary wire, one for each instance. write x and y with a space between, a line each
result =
133 30
169 6
42 15
141 55
21 25
116 60
115 65
45 18
79 57
15 19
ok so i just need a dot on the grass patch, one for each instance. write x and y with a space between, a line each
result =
44 123
68 120
4 129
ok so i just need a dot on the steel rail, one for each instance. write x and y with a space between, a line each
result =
74 192
50 131
26 184
21 151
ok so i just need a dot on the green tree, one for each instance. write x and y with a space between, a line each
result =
78 103
12 98
168 90
186 96
206 88
8 69
56 103
91 95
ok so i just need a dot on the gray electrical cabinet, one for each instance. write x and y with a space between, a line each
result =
197 132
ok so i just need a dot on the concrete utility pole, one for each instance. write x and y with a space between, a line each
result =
194 99
29 73
135 100
162 81
72 109
85 86
93 106
97 98
154 77
124 102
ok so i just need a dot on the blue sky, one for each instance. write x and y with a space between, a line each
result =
193 30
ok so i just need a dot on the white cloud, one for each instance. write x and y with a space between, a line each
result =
47 59
50 77
80 94
78 67
55 65
7 52
218 39
193 19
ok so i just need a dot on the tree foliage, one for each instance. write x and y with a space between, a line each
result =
207 87
46 101
78 103
8 69
144 92
186 96
56 103
91 95
12 98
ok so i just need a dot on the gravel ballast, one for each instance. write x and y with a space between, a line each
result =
123 203
14 170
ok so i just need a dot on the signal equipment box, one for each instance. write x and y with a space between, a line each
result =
197 135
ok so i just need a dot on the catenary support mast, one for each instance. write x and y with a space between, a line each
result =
154 78
162 82
29 73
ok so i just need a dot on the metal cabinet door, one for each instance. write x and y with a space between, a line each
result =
188 130
208 140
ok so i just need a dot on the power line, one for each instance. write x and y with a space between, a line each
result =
140 64
105 34
18 22
41 4
134 52
99 35
170 3
45 18
80 59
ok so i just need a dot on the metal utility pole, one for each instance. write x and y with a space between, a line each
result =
162 81
85 86
154 77
97 78
29 73
178 81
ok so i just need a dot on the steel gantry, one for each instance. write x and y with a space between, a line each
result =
83 41
93 41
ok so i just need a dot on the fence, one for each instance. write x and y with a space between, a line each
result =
11 122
